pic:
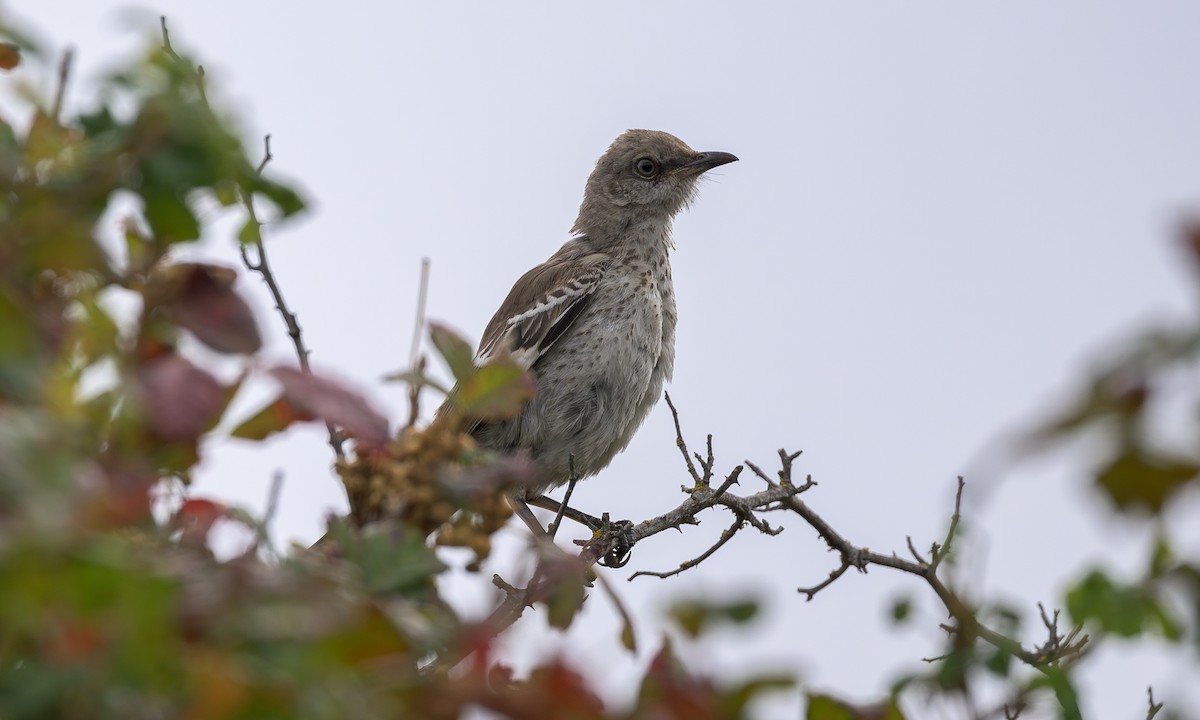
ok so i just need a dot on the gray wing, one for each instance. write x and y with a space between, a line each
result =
542 306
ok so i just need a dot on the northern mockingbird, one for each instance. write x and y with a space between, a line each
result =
595 323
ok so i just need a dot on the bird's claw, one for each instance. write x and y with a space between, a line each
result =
617 538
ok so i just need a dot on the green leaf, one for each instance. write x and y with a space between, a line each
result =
998 662
901 609
276 417
628 639
170 218
250 233
733 701
695 617
824 707
283 197
1125 610
454 350
1161 557
497 390
97 331
393 565
414 377
1139 480
1057 680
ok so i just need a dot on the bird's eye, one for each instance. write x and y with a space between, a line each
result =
645 167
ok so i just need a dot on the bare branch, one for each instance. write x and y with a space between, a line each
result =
679 442
262 266
1154 707
809 592
725 536
939 554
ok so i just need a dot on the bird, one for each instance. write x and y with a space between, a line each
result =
595 323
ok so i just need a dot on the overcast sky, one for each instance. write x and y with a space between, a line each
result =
942 211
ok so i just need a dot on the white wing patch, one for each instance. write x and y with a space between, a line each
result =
529 334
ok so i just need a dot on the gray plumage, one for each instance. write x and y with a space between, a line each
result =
595 323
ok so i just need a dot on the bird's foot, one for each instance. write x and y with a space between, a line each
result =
611 543
548 503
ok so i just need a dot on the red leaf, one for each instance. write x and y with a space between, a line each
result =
179 400
196 518
202 300
325 399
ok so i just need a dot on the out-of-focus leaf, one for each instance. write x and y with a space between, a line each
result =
564 603
179 401
696 616
205 303
734 701
226 193
277 416
325 399
1119 391
998 662
669 690
10 56
45 140
97 331
371 637
20 356
195 519
556 691
1057 680
901 609
1125 610
454 350
250 233
169 217
628 638
283 197
497 390
1138 480
417 378
10 151
389 558
1161 557
827 707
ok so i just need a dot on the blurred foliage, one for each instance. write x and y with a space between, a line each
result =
107 613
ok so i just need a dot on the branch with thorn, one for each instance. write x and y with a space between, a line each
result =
262 264
782 495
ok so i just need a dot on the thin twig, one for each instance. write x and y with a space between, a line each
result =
419 321
572 479
197 71
679 442
725 536
1154 707
64 73
809 592
416 361
262 266
273 493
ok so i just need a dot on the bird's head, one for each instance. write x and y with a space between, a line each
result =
645 175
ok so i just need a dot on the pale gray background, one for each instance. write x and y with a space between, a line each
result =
940 214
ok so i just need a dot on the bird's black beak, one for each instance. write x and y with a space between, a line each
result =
706 161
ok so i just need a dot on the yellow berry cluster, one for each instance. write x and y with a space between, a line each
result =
429 480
